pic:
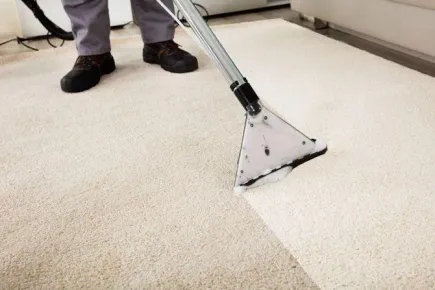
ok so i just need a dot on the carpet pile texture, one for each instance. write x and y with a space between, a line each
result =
130 185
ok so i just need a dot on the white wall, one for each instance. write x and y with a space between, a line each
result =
8 19
119 10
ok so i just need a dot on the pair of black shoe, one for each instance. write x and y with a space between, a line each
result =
88 70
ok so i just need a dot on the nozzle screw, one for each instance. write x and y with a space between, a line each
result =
265 117
303 142
252 125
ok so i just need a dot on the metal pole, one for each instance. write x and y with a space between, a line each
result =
212 46
210 42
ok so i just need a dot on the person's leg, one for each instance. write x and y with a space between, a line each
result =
156 25
90 25
158 30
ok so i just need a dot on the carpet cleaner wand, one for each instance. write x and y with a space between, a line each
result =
271 147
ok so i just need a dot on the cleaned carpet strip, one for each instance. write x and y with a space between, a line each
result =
129 185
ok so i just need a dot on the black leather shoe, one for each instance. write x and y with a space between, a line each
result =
170 57
87 72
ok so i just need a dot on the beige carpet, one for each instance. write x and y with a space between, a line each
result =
130 184
363 215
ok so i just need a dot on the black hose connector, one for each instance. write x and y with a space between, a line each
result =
247 97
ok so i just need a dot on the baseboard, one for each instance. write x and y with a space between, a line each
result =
384 43
313 22
248 11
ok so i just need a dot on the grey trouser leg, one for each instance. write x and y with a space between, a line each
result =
154 22
90 25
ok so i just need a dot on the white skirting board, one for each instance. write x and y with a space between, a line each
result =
401 49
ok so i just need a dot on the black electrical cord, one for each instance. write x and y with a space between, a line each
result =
47 23
51 44
47 37
184 21
21 41
54 30
6 42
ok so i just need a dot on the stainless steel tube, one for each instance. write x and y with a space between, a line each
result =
210 42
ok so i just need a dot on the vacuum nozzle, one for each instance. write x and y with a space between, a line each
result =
271 149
